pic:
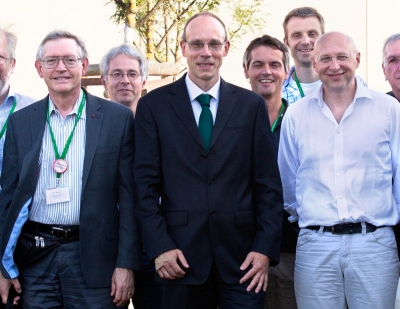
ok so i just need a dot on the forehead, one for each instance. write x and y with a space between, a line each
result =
60 47
393 49
205 28
300 24
4 51
333 44
123 62
266 54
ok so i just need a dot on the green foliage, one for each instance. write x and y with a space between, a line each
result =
168 18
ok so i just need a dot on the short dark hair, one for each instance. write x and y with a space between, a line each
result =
61 34
304 12
269 41
204 13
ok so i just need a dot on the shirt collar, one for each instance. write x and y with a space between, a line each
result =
194 91
361 92
74 111
10 94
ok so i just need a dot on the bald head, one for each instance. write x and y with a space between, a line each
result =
334 39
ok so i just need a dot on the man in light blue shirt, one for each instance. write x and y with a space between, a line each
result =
9 101
339 159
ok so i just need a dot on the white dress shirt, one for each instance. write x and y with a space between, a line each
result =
341 172
194 91
66 213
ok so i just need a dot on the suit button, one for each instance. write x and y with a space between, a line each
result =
211 183
213 213
203 156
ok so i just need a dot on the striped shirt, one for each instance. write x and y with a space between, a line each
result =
66 213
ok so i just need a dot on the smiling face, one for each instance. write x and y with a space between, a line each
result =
204 64
62 80
336 75
266 72
301 36
391 67
125 91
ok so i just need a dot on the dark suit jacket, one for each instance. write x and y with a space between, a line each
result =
108 233
215 207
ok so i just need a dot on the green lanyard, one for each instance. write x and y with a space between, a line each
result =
67 144
298 84
3 130
277 119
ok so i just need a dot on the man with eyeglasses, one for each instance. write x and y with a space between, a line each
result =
391 64
205 147
68 191
339 156
124 70
10 101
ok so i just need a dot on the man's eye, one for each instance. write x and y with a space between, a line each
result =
197 45
214 45
342 58
70 60
117 74
325 59
51 61
133 74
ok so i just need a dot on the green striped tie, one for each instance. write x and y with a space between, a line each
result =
206 120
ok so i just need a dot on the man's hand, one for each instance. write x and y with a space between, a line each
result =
5 287
170 269
258 271
122 285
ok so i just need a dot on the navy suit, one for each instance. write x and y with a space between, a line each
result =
216 208
108 235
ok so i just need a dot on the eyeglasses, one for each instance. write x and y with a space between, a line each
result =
52 61
3 59
120 75
340 58
214 46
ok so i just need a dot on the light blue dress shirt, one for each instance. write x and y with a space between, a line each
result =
341 172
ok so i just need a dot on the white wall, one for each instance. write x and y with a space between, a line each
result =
369 22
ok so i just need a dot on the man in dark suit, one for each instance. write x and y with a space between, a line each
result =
68 185
213 163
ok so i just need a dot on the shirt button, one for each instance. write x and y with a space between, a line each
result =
344 219
338 153
338 131
340 196
338 174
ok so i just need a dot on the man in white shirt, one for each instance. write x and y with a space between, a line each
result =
338 157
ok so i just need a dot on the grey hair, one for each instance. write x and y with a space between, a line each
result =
61 34
11 41
129 50
389 40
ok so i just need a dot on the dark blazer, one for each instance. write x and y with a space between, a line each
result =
108 231
216 207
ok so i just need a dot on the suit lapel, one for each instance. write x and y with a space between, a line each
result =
227 103
183 108
94 120
30 167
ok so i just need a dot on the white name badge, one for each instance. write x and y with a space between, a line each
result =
57 195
